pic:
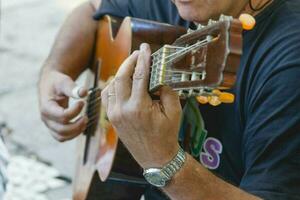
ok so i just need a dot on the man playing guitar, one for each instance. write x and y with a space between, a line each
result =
254 143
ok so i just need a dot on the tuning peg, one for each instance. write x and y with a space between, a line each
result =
226 97
225 18
200 26
216 92
210 22
248 21
190 30
214 101
209 38
203 99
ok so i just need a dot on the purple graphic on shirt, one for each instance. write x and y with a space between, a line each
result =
210 158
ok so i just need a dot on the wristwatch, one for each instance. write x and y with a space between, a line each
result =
159 177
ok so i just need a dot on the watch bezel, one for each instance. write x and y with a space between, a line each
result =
157 172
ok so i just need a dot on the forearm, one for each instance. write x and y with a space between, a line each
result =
194 182
73 48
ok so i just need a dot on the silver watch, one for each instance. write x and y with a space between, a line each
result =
159 177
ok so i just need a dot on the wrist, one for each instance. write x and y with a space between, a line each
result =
160 177
161 157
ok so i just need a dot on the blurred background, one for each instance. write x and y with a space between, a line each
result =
40 168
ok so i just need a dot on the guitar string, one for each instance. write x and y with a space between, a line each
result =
174 56
94 113
176 75
186 48
184 51
157 70
166 80
94 118
171 58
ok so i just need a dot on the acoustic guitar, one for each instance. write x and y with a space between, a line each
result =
192 62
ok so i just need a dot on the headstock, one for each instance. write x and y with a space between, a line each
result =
201 61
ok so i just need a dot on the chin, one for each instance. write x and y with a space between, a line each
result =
199 16
189 13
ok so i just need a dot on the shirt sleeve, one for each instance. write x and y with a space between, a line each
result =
272 125
118 8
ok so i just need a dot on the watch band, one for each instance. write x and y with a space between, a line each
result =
174 165
160 176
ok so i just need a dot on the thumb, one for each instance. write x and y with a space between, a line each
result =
170 101
67 87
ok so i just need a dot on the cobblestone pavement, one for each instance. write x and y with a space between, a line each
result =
28 28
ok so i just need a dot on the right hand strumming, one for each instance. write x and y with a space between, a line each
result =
55 89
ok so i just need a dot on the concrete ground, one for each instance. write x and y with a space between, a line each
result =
28 28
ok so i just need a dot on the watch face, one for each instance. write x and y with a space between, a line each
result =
155 177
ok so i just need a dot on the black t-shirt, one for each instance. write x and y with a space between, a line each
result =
255 142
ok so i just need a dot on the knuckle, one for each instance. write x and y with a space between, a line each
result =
138 75
59 137
61 132
44 111
44 119
114 117
119 78
64 119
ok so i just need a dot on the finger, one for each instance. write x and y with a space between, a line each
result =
123 81
111 96
78 92
63 132
53 111
141 74
67 87
170 101
104 97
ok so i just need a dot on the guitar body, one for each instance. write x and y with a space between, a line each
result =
97 147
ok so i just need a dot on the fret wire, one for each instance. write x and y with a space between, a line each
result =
95 104
184 50
167 82
90 124
179 74
178 71
176 76
92 112
170 77
92 120
94 101
170 56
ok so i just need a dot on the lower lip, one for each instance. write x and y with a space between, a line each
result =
184 1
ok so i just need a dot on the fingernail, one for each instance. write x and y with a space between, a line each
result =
76 92
83 92
143 47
